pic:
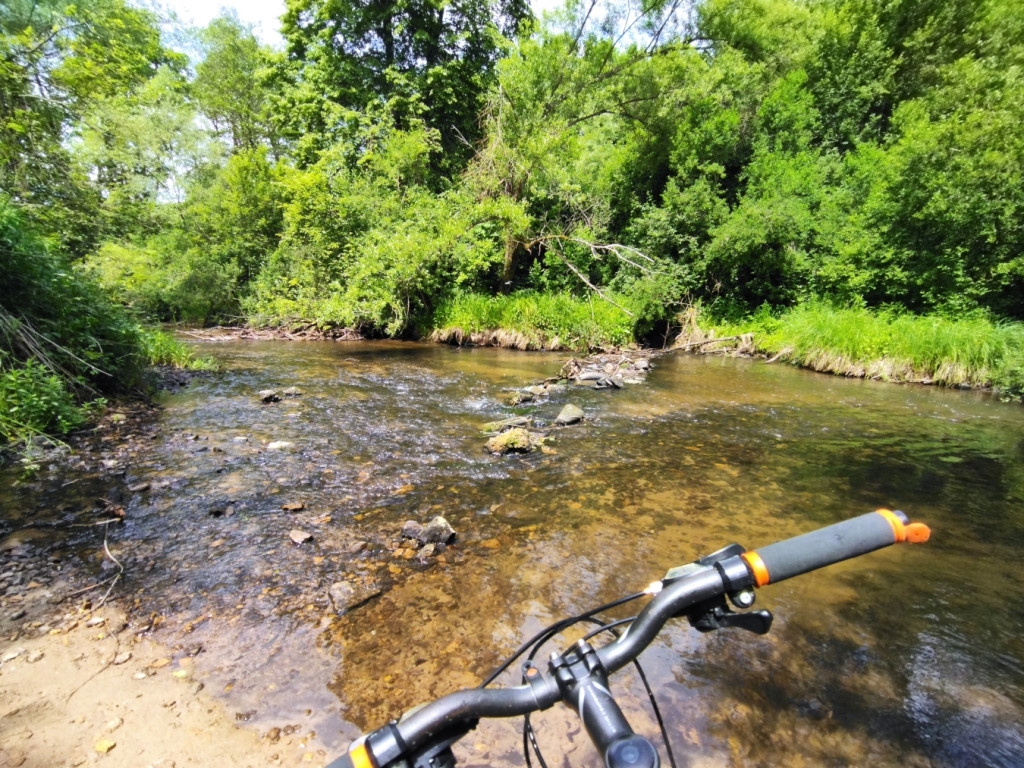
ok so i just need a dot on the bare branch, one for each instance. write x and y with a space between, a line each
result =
587 282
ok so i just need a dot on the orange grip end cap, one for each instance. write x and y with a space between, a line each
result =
918 533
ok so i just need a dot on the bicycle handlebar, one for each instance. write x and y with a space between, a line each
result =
700 583
832 544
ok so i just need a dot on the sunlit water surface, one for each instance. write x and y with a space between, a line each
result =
911 656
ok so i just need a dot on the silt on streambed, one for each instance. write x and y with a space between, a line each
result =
910 656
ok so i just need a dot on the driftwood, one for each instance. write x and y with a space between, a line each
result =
690 344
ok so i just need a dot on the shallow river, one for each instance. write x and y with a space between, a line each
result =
911 656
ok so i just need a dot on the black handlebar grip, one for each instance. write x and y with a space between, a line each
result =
832 544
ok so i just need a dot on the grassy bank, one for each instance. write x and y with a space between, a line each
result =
972 351
532 320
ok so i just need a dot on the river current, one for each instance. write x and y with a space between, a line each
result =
912 656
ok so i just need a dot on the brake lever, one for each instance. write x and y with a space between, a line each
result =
715 613
719 617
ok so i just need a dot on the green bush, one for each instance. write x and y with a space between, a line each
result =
63 343
34 401
58 316
162 348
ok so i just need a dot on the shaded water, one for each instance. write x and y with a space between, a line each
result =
912 656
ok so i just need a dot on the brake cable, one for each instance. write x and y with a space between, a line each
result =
550 631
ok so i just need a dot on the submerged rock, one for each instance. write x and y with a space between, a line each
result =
346 596
515 440
570 414
437 531
291 392
299 537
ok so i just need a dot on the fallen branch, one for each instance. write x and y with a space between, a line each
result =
101 522
120 567
782 353
690 344
591 286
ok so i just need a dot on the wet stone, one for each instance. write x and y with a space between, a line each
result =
500 426
570 414
345 595
518 398
437 531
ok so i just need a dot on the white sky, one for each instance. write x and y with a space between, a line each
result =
263 15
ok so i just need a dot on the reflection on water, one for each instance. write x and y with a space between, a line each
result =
911 656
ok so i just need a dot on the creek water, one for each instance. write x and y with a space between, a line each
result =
909 656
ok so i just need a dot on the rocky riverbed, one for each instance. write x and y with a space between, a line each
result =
526 431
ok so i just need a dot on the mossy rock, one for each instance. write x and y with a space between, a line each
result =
515 440
518 398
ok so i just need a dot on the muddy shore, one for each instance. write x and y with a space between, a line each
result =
82 680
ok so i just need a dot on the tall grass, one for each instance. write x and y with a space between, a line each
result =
532 320
161 348
972 351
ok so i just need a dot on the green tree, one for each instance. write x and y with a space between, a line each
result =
358 52
139 148
58 63
236 85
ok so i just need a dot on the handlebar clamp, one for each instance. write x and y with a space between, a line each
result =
583 682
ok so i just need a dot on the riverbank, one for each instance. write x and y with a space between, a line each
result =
89 687
82 679
968 353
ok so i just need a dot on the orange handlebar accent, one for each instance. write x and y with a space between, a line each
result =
757 567
361 756
915 533
898 529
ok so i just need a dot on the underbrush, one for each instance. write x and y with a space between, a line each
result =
64 345
974 351
532 320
